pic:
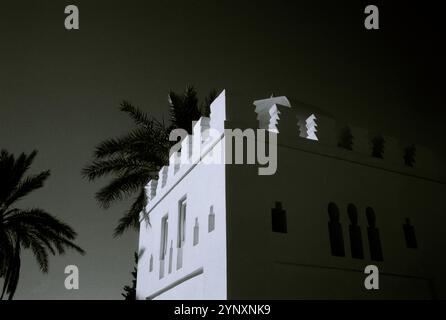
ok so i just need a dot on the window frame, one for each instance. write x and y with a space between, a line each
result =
182 219
164 236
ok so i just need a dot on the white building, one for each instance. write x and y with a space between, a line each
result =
222 231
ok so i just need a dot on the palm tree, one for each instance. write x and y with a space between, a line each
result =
185 108
130 291
135 158
32 229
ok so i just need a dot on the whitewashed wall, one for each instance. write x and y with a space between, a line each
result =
245 259
203 271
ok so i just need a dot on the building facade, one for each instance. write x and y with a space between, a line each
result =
340 198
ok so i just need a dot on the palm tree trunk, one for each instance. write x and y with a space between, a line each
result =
13 283
12 274
5 284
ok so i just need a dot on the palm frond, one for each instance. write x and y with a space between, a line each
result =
206 106
131 218
38 224
184 109
122 187
135 158
41 255
28 185
12 170
117 165
20 229
139 117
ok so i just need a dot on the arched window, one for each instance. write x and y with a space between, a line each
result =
355 233
278 216
373 236
335 231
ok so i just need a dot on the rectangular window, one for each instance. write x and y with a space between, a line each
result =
164 234
211 220
196 232
181 223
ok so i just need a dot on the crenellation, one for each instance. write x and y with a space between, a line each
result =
344 136
378 145
361 140
199 135
268 113
268 118
151 189
174 165
309 145
276 114
162 178
326 127
311 126
305 122
393 151
186 149
218 112
287 123
423 157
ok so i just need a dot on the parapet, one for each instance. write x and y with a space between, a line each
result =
291 122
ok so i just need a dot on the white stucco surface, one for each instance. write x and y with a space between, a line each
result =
243 259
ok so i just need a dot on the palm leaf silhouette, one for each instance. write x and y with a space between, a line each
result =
135 158
32 229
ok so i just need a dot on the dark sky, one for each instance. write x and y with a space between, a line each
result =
60 90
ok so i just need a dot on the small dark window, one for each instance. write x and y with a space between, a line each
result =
196 233
211 219
170 256
164 234
409 234
181 223
181 237
279 219
335 231
373 236
164 244
355 233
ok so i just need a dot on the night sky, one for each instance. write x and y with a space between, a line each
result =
60 90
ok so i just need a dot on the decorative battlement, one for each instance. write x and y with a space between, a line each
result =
205 132
290 123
